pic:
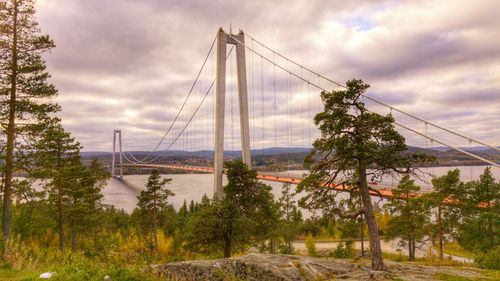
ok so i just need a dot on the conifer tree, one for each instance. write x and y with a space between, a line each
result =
480 209
24 86
355 144
288 210
151 201
242 217
57 157
447 189
410 216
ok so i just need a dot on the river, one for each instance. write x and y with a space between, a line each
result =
123 193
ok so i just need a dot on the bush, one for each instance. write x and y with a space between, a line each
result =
490 259
311 246
344 250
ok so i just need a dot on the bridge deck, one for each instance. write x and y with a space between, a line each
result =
384 192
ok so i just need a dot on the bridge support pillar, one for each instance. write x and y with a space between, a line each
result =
113 164
220 90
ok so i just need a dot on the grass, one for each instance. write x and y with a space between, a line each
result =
450 277
455 250
76 268
9 274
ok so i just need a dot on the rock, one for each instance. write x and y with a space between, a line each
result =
106 277
255 267
46 275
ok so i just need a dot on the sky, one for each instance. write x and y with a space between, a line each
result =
124 64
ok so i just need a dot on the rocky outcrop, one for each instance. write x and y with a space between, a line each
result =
258 267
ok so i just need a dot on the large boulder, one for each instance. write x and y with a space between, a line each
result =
255 267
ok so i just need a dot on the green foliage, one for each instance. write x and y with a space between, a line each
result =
344 250
311 246
480 212
410 216
447 188
353 139
245 216
24 84
291 218
151 202
489 259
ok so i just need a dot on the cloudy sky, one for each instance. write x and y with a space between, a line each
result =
129 64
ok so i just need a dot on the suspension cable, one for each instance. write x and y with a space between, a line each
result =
373 99
189 121
185 101
392 108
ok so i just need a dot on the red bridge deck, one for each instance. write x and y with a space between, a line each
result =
268 177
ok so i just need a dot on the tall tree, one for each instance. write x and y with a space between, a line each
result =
410 216
290 217
152 201
353 140
82 199
448 191
242 217
479 230
57 157
23 84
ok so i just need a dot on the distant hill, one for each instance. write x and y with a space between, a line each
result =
294 156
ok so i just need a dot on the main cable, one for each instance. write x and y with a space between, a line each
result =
184 103
373 99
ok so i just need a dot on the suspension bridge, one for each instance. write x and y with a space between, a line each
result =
247 96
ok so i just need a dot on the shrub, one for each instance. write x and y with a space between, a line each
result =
311 246
344 250
490 259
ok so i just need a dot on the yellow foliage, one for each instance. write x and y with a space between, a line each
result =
165 243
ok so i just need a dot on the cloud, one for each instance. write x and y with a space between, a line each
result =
129 64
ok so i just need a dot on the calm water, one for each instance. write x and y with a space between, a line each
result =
123 193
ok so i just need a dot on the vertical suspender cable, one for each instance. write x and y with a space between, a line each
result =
231 101
309 113
262 101
302 110
274 106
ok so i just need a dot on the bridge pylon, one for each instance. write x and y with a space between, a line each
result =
113 167
223 39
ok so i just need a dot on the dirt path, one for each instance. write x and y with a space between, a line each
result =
388 247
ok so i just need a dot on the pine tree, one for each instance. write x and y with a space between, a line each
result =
352 141
151 201
480 209
288 210
243 217
410 216
24 88
447 189
57 155
82 199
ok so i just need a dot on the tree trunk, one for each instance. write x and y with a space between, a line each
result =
228 244
440 234
11 135
96 241
409 249
375 249
73 241
155 226
413 251
362 237
60 224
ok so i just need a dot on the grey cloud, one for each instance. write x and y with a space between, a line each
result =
129 64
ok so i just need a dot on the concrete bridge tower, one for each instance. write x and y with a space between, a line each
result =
119 133
223 39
